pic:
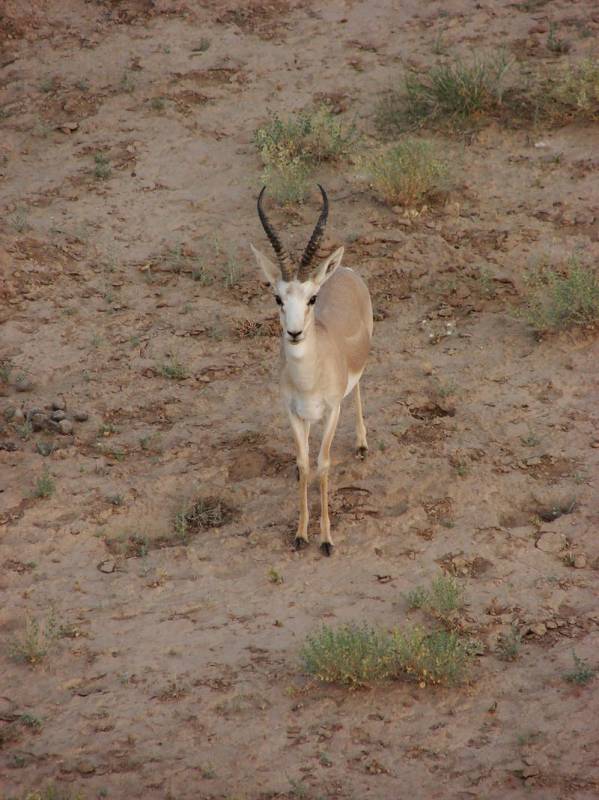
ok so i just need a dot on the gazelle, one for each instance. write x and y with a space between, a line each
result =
326 320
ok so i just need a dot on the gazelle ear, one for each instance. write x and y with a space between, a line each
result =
328 266
272 272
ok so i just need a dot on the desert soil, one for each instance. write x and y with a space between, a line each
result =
176 673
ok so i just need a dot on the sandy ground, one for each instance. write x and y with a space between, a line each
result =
177 673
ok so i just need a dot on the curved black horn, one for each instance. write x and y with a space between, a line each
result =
312 246
282 257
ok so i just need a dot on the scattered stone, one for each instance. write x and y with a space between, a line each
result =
530 770
58 416
65 426
538 628
23 383
59 404
38 420
81 416
427 367
580 561
18 415
107 566
551 542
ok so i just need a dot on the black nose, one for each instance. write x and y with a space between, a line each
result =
294 334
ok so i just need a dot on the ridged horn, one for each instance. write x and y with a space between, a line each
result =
312 246
282 256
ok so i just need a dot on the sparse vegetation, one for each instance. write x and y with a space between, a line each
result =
33 645
158 104
202 514
20 220
351 655
564 298
442 600
291 148
44 486
411 172
54 793
102 168
508 645
274 576
359 655
450 93
582 673
173 369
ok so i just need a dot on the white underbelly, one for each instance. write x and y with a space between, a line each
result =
308 406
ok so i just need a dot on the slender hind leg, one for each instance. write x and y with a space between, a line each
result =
301 434
324 463
361 443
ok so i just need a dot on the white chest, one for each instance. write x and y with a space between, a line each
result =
309 407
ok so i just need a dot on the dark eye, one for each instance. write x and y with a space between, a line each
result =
278 300
312 300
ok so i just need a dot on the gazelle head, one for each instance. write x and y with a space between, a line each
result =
296 287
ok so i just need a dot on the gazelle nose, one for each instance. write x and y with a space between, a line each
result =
294 334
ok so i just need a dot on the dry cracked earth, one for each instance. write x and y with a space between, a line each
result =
139 373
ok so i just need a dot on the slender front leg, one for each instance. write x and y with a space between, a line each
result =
301 434
361 443
324 462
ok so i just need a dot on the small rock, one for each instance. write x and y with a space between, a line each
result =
551 542
530 770
551 624
81 416
59 404
38 420
580 561
23 384
427 367
18 415
85 767
107 566
58 416
538 628
65 426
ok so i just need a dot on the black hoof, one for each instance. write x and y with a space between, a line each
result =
297 474
299 543
327 548
362 452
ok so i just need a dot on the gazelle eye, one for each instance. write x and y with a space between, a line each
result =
278 300
312 300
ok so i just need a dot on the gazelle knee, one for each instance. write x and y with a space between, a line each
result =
324 464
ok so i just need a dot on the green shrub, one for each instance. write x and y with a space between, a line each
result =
409 173
563 299
291 148
449 92
444 597
352 655
437 657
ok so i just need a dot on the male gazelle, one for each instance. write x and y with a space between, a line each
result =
326 319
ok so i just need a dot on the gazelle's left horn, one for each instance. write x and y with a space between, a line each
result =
312 246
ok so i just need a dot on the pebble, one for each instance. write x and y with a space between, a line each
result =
18 415
59 415
65 426
107 566
81 416
37 420
580 561
551 542
538 628
23 384
59 404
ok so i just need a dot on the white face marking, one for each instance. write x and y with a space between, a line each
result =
296 312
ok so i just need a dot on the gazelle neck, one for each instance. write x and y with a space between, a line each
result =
301 359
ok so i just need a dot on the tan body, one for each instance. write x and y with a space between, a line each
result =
326 320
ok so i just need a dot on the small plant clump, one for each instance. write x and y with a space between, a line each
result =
582 673
202 514
102 168
33 645
562 299
508 646
449 93
291 148
44 486
409 173
571 92
173 369
444 597
359 655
